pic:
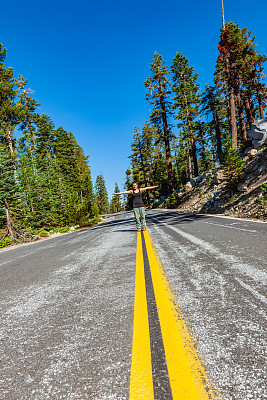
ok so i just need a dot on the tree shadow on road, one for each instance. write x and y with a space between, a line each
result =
112 223
176 217
125 230
168 217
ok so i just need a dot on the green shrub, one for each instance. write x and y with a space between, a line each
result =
64 229
43 233
233 168
263 199
5 242
95 221
53 230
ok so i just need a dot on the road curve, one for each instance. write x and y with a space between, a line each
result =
67 306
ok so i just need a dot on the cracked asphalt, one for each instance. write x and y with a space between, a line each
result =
67 306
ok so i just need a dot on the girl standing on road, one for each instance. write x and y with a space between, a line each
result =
138 205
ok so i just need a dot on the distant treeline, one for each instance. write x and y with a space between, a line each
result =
45 180
212 125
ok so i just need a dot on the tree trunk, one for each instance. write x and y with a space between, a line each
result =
189 163
213 153
241 118
252 108
202 144
233 124
192 138
177 163
9 142
10 145
9 225
217 129
194 154
249 115
260 105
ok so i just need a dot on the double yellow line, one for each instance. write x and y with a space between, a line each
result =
187 377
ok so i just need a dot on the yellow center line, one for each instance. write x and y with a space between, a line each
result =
141 382
187 376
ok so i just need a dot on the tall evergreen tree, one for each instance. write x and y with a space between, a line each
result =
225 74
239 68
86 185
101 194
206 157
9 109
159 96
116 203
28 113
44 136
186 99
212 104
143 157
182 173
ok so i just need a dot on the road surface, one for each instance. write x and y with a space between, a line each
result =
84 314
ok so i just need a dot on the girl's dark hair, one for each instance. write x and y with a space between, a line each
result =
136 183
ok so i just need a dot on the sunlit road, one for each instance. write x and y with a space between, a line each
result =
67 307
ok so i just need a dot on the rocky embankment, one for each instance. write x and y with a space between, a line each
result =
208 193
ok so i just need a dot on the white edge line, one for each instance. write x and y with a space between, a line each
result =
227 226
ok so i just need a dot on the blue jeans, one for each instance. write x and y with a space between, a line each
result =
140 217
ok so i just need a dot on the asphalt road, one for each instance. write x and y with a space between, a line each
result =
67 306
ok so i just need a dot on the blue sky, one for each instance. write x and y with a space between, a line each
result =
87 61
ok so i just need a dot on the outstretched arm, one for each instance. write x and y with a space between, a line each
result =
149 187
127 192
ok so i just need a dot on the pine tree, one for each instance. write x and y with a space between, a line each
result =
224 73
116 203
211 103
28 114
142 157
239 68
86 186
158 95
9 109
182 174
101 195
186 100
252 85
206 140
44 136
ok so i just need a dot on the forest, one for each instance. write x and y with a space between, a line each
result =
46 183
188 131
